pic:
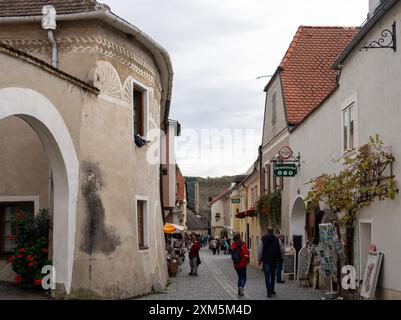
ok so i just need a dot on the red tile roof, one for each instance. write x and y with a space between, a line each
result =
20 8
306 69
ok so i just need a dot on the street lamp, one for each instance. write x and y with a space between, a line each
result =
261 77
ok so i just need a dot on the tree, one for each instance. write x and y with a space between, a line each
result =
367 176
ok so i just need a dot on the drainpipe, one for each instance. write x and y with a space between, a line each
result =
49 24
50 34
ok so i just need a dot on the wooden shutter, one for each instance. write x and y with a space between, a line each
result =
141 235
268 178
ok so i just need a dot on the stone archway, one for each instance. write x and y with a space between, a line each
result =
39 113
298 219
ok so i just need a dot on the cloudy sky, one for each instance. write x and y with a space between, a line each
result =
218 49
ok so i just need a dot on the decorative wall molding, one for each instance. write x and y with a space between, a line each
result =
105 77
98 45
128 89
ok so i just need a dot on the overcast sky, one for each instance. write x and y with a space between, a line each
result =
218 49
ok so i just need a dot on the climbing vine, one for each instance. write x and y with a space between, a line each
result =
268 209
366 177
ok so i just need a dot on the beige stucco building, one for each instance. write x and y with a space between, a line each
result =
220 214
94 120
243 197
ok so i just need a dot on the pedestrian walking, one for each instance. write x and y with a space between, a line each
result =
193 255
240 257
226 247
213 246
280 263
269 254
218 245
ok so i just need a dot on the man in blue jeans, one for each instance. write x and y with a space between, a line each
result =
269 254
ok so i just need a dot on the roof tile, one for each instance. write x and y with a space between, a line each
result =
21 8
306 69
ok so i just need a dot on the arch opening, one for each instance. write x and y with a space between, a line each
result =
298 221
44 118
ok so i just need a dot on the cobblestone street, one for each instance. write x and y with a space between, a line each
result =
10 291
217 280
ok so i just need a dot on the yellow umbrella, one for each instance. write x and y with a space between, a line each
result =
169 228
172 228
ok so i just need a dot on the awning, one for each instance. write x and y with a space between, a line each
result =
172 228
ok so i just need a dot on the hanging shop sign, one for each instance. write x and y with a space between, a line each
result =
289 261
235 201
285 153
285 169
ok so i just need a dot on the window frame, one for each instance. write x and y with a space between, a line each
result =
145 201
137 86
13 203
349 104
274 108
268 174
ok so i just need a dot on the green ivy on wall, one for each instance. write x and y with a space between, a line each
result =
268 209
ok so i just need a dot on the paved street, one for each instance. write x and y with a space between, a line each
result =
10 291
217 281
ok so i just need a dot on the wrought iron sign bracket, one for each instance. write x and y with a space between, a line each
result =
293 160
388 40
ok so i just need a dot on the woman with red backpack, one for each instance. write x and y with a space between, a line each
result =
240 257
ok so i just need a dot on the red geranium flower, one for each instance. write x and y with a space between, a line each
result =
19 256
22 250
45 250
38 282
18 278
30 264
11 238
30 258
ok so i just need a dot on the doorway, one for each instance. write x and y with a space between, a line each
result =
365 240
298 222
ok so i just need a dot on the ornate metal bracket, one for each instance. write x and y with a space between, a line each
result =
388 40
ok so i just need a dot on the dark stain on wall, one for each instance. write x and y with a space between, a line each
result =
97 237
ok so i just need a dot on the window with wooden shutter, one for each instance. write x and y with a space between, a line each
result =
268 179
274 108
8 210
349 126
141 217
262 182
139 111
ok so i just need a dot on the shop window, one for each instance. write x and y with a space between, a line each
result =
349 137
142 223
8 211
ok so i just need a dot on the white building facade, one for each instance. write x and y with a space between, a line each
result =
367 102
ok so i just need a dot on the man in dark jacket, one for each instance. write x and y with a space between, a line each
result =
269 254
